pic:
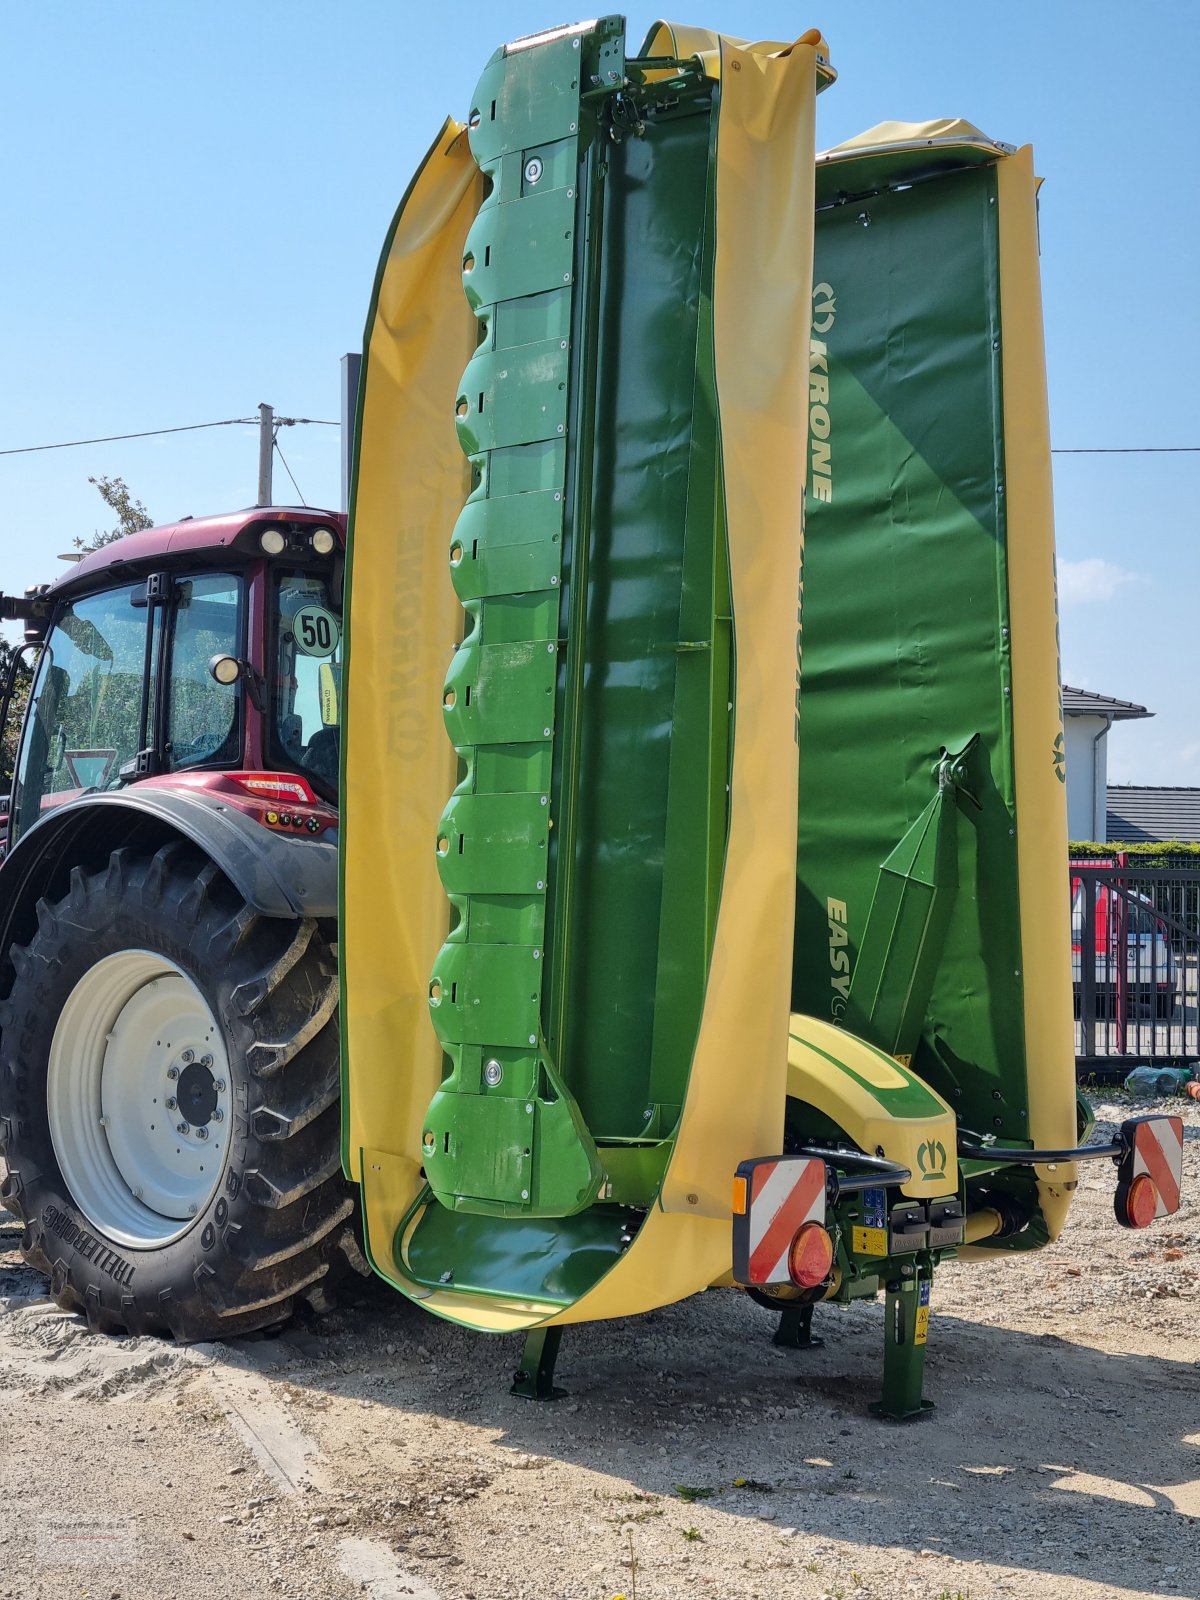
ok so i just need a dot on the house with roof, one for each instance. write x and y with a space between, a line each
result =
1087 718
1139 813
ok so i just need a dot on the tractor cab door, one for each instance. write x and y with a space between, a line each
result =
102 710
82 724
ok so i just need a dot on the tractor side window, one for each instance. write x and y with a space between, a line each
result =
307 677
203 716
83 721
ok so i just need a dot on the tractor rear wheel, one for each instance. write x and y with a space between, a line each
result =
169 1083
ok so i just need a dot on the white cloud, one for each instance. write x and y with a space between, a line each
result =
1082 583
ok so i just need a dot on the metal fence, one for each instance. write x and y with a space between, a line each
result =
1135 955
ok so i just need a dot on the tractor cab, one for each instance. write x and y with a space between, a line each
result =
207 651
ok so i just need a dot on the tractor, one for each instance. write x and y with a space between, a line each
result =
169 1076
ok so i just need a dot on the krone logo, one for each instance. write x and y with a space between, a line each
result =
824 308
931 1158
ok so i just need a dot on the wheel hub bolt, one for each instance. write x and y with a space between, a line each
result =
218 1115
192 1210
183 1127
206 1061
220 1085
188 1057
171 1102
172 1073
202 1133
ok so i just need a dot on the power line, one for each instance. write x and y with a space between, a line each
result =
1129 450
324 422
190 427
289 471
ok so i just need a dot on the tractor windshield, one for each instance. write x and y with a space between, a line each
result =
306 677
95 707
83 719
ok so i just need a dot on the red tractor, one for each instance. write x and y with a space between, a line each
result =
169 1065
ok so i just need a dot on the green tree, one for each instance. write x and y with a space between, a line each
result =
131 514
11 732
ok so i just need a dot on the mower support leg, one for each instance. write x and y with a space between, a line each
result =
795 1329
534 1380
906 1325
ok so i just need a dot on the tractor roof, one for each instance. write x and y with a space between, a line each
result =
193 537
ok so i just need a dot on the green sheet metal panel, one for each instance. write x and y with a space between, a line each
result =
589 700
905 641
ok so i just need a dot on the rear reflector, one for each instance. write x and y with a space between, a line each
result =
1141 1204
811 1257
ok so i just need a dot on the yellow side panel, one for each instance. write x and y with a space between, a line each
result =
764 211
398 765
1037 702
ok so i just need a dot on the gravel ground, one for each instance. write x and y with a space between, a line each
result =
377 1452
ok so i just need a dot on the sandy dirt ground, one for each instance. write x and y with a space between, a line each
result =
377 1452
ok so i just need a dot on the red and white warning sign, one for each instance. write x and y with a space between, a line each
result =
1158 1152
773 1198
1149 1171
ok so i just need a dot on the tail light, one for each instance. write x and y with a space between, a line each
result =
810 1258
285 787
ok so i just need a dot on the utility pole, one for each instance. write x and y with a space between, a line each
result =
266 452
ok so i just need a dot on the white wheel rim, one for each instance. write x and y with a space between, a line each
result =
132 1028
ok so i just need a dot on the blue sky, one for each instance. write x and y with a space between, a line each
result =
194 196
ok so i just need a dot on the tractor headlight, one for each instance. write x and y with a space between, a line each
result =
272 541
225 669
323 541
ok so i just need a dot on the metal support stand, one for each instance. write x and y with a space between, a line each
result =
795 1329
906 1318
534 1380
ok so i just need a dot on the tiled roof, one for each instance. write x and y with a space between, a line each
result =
1083 703
1136 813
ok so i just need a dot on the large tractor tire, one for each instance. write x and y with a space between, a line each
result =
169 1082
